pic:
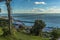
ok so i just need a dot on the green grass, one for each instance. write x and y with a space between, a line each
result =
21 36
30 37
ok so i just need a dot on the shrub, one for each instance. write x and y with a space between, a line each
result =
55 34
37 28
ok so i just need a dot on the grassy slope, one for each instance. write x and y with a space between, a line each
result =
29 37
22 36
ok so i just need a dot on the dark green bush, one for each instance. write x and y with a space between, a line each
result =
55 34
37 28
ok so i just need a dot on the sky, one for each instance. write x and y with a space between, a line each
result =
33 6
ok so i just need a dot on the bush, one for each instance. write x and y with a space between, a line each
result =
55 34
37 28
1 31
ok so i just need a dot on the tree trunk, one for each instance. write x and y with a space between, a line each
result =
40 33
9 15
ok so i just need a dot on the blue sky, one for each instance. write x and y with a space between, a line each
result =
33 6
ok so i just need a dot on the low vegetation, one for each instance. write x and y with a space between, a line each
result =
55 34
36 32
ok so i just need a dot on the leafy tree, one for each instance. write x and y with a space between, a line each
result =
55 34
37 28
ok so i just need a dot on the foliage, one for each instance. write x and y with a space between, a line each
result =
37 28
1 31
5 31
3 22
21 36
55 34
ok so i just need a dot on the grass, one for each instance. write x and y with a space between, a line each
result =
21 36
30 37
17 35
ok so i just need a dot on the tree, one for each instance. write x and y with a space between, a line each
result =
55 34
9 13
37 28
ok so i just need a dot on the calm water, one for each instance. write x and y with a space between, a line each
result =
51 20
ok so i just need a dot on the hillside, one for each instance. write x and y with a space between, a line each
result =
22 36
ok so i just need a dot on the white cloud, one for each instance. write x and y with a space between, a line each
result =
38 10
48 10
39 2
53 10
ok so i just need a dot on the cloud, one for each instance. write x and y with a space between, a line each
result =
38 10
39 2
48 10
53 10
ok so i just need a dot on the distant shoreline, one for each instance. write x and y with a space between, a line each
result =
31 13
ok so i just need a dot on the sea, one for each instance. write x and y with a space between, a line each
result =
51 20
